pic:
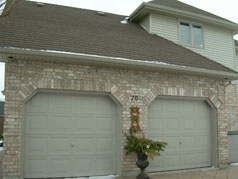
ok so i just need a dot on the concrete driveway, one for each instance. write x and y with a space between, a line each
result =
230 172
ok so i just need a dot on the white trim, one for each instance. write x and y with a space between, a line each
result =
191 24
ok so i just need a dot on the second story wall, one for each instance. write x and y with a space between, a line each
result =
165 26
218 42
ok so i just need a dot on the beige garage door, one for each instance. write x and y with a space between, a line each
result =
185 126
69 135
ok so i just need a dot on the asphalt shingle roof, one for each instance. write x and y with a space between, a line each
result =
60 28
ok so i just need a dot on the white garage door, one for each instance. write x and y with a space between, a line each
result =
185 126
69 135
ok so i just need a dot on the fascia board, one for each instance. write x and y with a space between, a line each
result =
122 62
136 11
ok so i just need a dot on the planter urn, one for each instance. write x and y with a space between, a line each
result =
142 163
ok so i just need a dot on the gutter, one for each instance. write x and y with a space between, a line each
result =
165 9
117 61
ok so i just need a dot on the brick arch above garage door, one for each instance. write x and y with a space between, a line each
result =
211 98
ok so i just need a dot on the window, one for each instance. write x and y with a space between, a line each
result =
191 34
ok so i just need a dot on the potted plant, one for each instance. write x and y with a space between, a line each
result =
144 148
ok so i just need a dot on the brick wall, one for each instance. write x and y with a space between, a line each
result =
232 106
23 78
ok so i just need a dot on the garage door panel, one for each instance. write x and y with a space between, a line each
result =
188 159
157 107
85 145
173 142
186 129
158 138
171 108
203 143
38 104
36 122
61 104
59 145
172 161
105 123
75 137
36 145
189 124
189 108
202 125
84 123
188 142
62 109
60 123
203 158
36 167
157 164
104 145
155 125
60 166
83 165
105 164
172 124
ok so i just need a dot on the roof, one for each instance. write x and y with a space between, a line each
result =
60 28
185 7
181 10
1 108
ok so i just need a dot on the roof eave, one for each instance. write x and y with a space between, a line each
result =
122 62
134 14
144 8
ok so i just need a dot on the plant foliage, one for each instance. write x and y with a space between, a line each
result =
143 145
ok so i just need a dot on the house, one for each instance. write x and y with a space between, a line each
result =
1 116
73 74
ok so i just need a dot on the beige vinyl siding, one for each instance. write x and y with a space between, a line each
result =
165 26
218 46
145 23
218 42
237 59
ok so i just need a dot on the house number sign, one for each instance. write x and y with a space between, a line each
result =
135 116
134 98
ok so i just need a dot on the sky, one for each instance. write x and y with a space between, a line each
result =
225 8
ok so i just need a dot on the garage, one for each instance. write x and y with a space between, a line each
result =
68 135
186 126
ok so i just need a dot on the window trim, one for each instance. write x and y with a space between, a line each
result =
191 24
